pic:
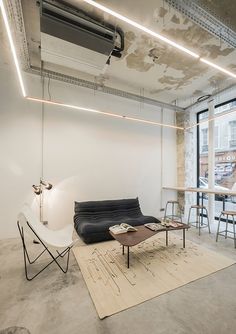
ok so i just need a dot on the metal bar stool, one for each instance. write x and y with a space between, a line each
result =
173 214
199 222
225 232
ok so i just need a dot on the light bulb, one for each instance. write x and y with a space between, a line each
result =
47 185
37 189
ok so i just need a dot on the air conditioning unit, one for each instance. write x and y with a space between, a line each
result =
76 41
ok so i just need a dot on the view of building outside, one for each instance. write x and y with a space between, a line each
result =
225 153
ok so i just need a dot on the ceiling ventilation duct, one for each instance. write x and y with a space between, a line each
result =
70 39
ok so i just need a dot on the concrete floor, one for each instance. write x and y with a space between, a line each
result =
55 303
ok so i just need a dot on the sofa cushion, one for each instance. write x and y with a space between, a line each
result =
110 208
93 219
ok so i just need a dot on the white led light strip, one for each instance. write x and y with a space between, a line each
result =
156 35
13 50
102 112
218 67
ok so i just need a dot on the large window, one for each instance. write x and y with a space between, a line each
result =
225 153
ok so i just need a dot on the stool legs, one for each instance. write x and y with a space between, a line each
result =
173 215
180 214
226 231
208 223
166 210
199 219
189 215
234 232
218 228
227 223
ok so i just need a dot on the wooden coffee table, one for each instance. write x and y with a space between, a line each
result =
130 239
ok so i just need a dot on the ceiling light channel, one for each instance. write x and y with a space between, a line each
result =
13 50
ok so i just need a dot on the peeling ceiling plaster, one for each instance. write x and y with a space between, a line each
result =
161 71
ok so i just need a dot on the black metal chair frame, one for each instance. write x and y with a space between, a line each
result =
46 249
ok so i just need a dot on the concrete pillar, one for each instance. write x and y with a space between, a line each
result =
211 159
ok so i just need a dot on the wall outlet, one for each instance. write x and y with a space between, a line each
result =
162 209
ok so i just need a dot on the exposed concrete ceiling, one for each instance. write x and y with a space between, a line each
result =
149 67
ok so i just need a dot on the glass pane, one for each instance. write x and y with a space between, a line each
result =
225 155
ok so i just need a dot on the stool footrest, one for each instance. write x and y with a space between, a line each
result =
223 235
197 224
226 231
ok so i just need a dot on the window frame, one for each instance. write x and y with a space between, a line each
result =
217 145
204 140
199 146
198 134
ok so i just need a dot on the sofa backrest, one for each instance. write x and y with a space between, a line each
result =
107 209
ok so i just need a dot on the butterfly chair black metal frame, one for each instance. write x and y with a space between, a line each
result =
28 261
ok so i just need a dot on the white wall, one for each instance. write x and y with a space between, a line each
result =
86 156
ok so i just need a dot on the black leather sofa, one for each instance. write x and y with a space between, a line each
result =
93 219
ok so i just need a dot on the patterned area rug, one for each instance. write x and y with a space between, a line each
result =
154 270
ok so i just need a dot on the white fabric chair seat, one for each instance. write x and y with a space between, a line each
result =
56 238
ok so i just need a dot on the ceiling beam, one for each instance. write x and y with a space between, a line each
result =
103 89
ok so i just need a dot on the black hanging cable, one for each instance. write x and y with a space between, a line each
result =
42 143
161 172
49 92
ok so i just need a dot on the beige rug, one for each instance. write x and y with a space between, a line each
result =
154 270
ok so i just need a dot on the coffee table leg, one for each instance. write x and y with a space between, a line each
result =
123 250
128 256
166 238
184 238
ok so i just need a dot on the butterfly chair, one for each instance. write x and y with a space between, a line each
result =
49 239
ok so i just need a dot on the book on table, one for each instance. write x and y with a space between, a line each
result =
158 226
122 228
175 224
154 226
